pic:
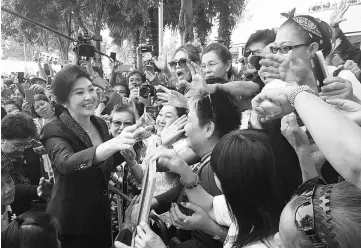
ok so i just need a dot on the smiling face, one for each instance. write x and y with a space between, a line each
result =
212 66
183 72
167 115
43 109
7 189
15 147
82 99
120 120
135 80
11 109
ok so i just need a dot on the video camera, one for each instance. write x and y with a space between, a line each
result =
83 46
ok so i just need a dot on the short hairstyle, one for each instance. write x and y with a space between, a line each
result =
12 102
220 107
127 91
216 80
244 163
17 126
38 97
191 51
137 72
122 108
324 29
222 52
37 79
265 36
32 229
345 202
64 81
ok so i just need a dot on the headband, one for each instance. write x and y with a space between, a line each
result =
308 23
325 232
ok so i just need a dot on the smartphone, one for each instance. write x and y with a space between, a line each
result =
152 111
319 68
113 56
29 96
21 77
114 100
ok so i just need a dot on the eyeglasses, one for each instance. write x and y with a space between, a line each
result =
181 62
209 65
304 214
284 49
249 52
210 102
119 124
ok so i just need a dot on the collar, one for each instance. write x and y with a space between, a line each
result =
205 156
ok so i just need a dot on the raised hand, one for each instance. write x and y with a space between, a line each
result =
199 220
146 238
349 108
337 15
171 159
170 134
336 87
293 133
129 156
161 62
172 97
127 138
45 187
353 67
277 98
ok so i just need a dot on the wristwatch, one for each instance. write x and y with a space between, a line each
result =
299 89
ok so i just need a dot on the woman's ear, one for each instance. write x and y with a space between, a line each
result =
211 127
313 47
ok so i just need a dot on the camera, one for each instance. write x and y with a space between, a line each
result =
145 90
83 46
146 49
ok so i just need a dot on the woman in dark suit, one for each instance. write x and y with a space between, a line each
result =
81 153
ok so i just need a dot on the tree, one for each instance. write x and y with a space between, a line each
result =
185 21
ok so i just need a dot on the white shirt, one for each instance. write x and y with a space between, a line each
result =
223 218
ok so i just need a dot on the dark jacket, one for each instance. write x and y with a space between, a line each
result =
79 199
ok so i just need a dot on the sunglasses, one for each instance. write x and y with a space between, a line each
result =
285 49
304 214
181 62
249 52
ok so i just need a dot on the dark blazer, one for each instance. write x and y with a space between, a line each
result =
79 199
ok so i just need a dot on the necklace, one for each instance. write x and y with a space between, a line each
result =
89 130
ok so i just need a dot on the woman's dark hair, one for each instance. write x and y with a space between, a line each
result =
220 107
191 51
12 102
181 111
222 52
137 72
33 229
345 202
324 29
265 36
38 97
244 163
17 126
64 81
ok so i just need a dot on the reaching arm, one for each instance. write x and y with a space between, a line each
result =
338 138
42 71
240 88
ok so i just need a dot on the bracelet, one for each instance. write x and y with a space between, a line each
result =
295 92
334 26
191 185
